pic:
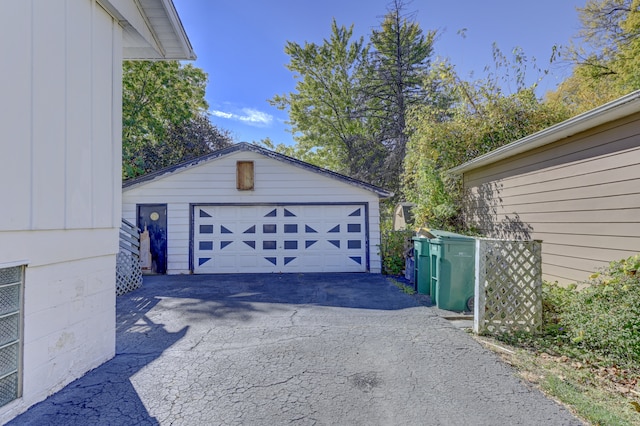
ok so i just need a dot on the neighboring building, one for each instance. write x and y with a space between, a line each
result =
60 181
248 209
575 185
403 216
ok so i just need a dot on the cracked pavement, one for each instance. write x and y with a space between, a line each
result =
303 349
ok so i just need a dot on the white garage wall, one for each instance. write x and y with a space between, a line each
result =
215 182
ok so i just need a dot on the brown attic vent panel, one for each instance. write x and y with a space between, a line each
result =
244 175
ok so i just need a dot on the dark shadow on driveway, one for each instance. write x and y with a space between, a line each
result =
241 295
106 395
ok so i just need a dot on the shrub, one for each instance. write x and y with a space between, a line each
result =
556 300
604 317
392 249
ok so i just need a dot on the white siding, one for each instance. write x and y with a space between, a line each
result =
215 182
59 184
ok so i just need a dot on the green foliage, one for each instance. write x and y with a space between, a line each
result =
400 58
604 317
393 247
403 288
471 119
164 116
325 111
605 55
556 299
183 141
599 323
348 111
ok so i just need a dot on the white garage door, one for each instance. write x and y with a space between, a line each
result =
292 238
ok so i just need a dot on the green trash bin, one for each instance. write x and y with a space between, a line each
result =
452 269
422 264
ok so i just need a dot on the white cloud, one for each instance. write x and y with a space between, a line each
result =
252 117
221 114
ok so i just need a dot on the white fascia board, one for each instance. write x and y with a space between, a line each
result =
619 108
152 29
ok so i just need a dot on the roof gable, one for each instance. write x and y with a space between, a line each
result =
244 146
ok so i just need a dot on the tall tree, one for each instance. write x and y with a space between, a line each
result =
605 55
183 141
400 58
160 100
326 111
479 119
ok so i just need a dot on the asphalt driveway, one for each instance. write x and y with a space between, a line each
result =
308 349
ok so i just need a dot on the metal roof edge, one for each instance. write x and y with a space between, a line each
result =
619 108
245 146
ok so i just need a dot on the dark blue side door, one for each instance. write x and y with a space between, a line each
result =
153 219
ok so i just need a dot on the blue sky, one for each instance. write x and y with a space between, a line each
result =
240 44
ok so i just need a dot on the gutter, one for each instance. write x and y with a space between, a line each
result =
608 112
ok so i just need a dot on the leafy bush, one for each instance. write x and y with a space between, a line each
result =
604 317
392 249
556 299
599 323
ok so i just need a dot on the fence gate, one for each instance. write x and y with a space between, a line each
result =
508 286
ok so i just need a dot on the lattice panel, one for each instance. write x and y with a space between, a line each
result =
510 274
128 273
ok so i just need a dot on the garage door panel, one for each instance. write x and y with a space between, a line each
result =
298 238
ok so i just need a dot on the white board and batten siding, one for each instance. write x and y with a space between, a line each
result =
580 195
59 163
60 184
294 220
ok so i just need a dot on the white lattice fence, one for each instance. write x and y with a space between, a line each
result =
128 272
508 294
128 269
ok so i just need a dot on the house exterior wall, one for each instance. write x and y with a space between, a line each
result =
60 184
580 195
215 182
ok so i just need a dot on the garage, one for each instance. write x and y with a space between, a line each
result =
246 209
268 238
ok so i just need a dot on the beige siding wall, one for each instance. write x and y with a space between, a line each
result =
215 182
581 196
60 184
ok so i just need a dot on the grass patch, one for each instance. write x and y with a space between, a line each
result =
403 287
595 394
593 405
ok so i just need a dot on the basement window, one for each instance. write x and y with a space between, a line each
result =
244 175
11 291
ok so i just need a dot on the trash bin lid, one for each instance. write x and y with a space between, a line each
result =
446 235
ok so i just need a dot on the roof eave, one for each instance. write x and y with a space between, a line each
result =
610 111
152 29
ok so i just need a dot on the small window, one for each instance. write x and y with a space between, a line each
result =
11 290
244 175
